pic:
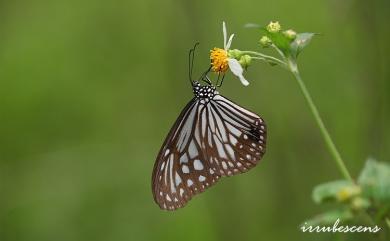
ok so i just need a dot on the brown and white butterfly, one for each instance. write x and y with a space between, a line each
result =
212 138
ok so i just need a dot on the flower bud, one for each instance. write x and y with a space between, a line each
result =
245 61
234 53
348 192
273 27
359 203
265 42
290 34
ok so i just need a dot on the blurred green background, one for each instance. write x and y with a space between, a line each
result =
89 89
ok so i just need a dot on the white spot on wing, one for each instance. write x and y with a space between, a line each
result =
211 120
233 130
185 169
220 149
183 158
177 179
221 127
171 156
186 131
192 150
224 165
204 121
230 151
198 165
162 166
202 178
190 182
233 140
210 141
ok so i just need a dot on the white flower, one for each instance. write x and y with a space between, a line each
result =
219 57
234 65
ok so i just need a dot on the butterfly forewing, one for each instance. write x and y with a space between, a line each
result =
181 169
210 139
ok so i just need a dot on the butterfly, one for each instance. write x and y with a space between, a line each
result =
212 138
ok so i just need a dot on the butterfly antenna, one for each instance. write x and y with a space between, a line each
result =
191 56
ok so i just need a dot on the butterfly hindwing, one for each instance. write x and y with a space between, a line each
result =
237 137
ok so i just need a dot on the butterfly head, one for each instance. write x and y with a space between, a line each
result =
205 92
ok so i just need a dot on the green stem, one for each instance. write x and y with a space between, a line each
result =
266 57
259 58
325 134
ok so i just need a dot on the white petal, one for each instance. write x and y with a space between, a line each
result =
227 47
224 34
235 66
237 70
243 80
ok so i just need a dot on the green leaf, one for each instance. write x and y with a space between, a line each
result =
300 42
388 222
278 39
329 218
375 180
340 190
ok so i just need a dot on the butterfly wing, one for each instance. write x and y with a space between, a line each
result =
236 137
181 169
207 141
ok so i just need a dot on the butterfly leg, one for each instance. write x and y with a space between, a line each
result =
204 76
207 80
220 83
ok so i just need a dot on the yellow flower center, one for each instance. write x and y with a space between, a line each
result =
219 60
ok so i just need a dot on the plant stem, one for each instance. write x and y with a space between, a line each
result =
325 134
267 58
